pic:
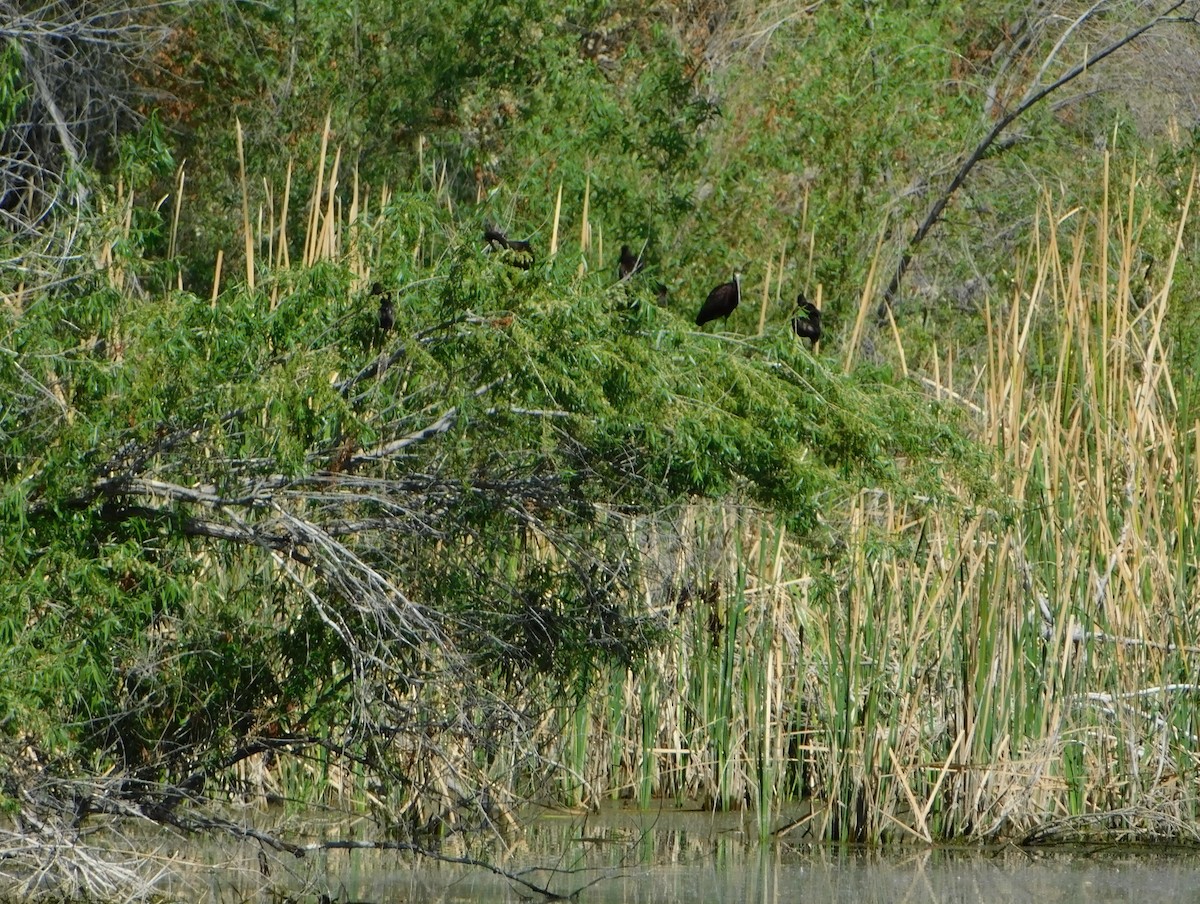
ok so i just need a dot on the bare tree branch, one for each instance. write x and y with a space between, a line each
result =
87 65
981 149
447 420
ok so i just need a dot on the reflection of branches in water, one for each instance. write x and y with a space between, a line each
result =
521 877
48 848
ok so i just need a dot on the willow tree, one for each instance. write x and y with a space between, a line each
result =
260 535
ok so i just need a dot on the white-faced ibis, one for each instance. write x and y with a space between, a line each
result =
721 301
387 313
522 255
807 323
629 264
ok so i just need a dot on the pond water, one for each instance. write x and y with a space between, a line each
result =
673 857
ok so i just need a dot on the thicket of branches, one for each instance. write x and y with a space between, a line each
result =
74 79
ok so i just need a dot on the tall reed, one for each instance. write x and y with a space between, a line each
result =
998 673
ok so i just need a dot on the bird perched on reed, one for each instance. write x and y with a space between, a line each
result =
807 323
522 250
387 312
721 301
629 264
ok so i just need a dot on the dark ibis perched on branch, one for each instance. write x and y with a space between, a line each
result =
721 301
807 322
629 264
522 255
387 312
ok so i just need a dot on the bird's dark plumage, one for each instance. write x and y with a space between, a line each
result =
629 264
807 323
523 250
721 301
493 236
387 312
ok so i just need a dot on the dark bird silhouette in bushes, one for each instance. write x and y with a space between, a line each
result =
721 301
629 264
520 250
387 311
807 322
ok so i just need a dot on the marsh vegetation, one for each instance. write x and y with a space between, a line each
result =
535 537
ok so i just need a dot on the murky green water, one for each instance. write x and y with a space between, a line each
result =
674 857
821 876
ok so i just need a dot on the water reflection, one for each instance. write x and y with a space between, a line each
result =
775 876
636 858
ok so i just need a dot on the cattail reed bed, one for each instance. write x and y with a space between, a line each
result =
1024 671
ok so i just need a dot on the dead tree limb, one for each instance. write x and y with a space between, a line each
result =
981 149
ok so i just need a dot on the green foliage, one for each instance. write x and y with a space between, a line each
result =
533 421
145 154
564 388
14 90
